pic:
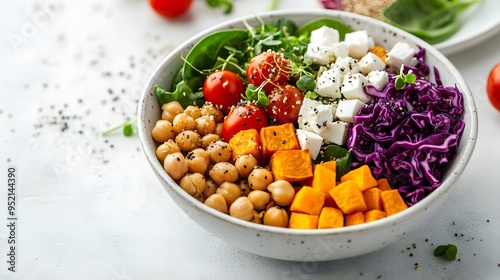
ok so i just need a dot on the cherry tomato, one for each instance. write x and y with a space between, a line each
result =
270 67
493 86
284 104
224 89
242 117
170 8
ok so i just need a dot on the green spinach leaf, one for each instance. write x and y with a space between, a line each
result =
182 94
204 54
342 157
431 20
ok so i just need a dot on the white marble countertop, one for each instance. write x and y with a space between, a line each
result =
89 207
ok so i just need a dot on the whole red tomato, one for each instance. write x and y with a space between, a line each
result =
242 117
170 8
284 104
493 86
269 67
224 89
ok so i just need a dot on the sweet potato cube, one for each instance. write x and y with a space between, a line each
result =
374 215
383 184
372 199
331 164
308 201
355 218
331 218
278 138
362 176
303 221
246 142
393 202
348 197
324 180
291 165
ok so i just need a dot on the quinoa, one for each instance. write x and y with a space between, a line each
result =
371 8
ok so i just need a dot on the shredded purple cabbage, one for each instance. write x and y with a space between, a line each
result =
409 135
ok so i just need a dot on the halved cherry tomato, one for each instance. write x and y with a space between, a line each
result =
170 8
244 116
271 67
284 104
493 86
224 89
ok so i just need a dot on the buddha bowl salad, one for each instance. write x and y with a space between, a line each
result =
306 127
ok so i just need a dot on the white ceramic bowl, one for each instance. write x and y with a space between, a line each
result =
309 245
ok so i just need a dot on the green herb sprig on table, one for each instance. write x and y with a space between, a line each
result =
127 128
449 251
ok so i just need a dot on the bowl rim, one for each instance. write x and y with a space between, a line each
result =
461 160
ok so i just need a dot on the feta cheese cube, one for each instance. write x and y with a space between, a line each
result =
352 87
378 79
334 109
370 62
400 54
307 106
347 65
348 109
358 42
319 54
371 43
325 36
340 49
335 132
328 84
309 141
320 116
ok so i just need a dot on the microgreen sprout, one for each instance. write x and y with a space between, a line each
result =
449 251
127 128
402 80
257 94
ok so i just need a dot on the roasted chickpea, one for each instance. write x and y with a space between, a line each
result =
282 192
163 131
245 187
210 189
242 208
260 178
257 217
210 110
230 192
219 151
183 122
245 164
217 202
170 110
276 216
194 184
223 172
205 125
188 140
166 149
198 161
175 165
209 138
259 199
218 129
193 111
